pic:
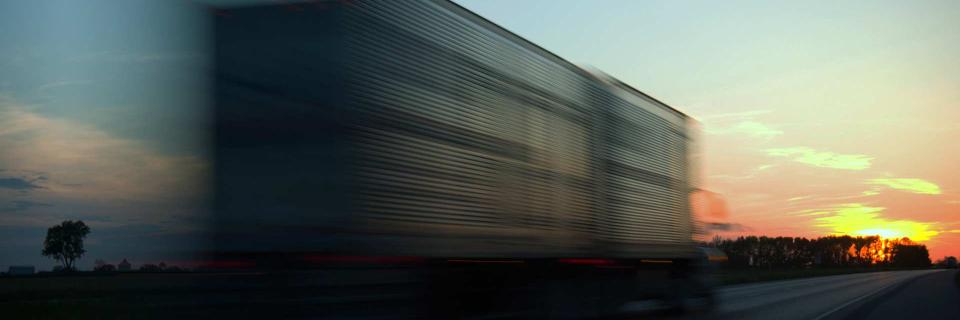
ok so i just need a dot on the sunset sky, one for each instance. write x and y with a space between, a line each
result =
817 117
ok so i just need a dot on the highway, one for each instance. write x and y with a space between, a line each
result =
920 294
877 295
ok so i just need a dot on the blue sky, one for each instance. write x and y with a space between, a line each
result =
127 67
102 118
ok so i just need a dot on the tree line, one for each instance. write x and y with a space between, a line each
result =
829 251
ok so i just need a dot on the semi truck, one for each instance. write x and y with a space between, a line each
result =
415 142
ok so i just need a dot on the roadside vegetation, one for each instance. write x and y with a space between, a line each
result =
64 243
753 259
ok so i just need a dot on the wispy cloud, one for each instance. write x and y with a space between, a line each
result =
824 159
135 57
765 167
718 226
21 205
913 185
756 129
88 168
747 128
735 115
18 184
740 123
59 84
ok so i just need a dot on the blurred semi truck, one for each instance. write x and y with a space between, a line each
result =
416 142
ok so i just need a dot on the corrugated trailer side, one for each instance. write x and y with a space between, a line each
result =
443 134
488 140
645 150
556 161
418 147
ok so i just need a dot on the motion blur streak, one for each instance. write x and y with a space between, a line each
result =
357 131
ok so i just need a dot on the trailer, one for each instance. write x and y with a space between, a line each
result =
418 136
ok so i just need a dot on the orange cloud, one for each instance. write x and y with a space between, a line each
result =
913 185
824 159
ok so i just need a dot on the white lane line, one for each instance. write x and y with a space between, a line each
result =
895 282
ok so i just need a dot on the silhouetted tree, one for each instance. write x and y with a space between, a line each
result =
64 243
910 255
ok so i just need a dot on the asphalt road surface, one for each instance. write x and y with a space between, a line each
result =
920 294
934 296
